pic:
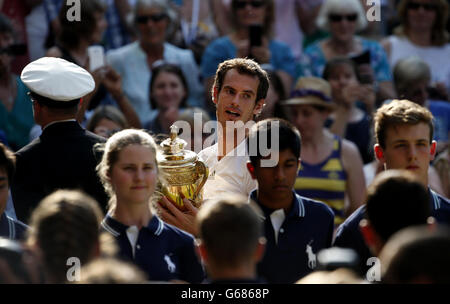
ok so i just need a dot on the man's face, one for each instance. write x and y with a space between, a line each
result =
4 186
276 183
408 147
236 100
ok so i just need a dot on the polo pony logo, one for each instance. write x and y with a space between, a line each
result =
170 265
311 256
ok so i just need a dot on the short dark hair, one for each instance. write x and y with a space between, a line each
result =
395 200
56 107
400 112
230 229
173 69
417 253
288 137
7 161
243 66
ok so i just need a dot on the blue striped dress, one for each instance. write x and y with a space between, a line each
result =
325 181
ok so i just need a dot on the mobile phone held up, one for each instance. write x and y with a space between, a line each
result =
96 55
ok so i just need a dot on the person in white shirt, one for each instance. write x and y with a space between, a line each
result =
239 91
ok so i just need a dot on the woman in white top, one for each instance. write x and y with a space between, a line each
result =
423 33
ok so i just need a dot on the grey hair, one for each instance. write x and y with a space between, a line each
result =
410 70
341 6
164 5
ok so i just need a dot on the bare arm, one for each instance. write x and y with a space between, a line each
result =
353 166
113 84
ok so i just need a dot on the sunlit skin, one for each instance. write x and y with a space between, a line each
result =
4 187
275 184
168 90
408 147
134 176
236 100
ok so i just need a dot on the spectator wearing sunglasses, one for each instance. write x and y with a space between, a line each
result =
240 43
342 19
153 20
422 32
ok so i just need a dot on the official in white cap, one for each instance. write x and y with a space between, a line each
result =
57 82
63 156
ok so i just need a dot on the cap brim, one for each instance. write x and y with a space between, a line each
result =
309 101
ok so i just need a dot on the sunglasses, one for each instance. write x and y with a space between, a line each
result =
243 4
425 6
339 18
153 18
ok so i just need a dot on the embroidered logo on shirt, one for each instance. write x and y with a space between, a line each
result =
311 256
170 265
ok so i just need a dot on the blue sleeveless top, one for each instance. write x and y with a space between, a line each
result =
325 182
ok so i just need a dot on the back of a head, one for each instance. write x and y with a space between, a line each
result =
111 271
65 224
230 229
395 200
408 71
417 255
337 276
17 264
276 135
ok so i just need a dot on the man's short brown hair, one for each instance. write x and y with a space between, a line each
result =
400 112
246 67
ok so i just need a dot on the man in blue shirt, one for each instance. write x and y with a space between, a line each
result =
9 227
404 133
296 228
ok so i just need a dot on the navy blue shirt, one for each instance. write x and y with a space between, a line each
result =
163 251
307 229
11 228
348 234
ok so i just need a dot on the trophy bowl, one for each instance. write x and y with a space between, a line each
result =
183 174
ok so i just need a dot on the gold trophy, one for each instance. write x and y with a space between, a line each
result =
183 173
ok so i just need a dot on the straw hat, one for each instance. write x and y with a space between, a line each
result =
311 91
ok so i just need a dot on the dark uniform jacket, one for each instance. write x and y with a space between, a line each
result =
61 158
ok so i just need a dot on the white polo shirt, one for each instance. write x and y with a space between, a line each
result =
230 174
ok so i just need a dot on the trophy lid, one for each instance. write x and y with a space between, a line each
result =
173 152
